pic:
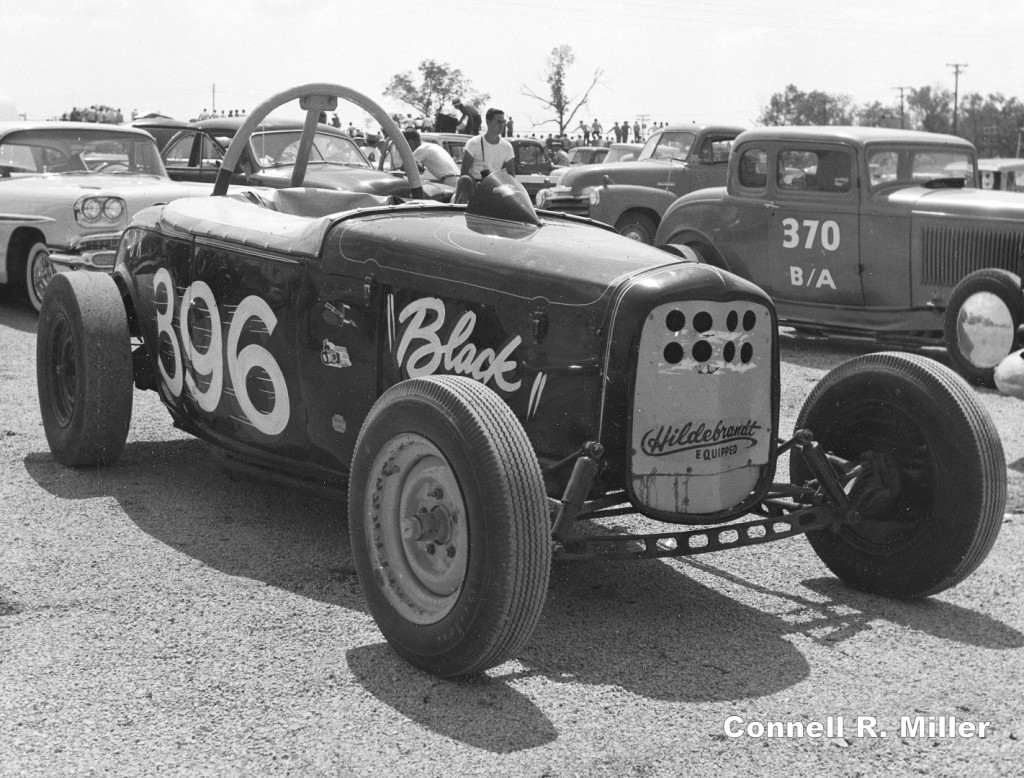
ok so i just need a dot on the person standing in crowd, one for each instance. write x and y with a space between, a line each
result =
585 132
508 127
625 131
335 121
637 137
617 132
437 162
483 154
597 131
470 115
558 155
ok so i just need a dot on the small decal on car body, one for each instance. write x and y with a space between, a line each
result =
338 315
334 356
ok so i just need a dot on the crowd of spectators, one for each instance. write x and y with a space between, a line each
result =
98 114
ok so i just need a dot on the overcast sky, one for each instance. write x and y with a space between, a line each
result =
672 60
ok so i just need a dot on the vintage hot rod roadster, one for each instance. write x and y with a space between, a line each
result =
479 377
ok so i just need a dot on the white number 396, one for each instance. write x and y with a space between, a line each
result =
211 362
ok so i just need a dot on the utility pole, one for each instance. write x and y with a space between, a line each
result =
213 99
956 87
901 88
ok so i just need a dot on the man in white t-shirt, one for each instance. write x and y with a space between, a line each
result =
486 153
434 160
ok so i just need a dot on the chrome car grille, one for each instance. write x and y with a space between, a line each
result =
574 204
948 253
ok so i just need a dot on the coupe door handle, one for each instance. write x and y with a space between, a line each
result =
770 204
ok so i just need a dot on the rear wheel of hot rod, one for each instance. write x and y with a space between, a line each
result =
985 311
84 369
937 505
449 524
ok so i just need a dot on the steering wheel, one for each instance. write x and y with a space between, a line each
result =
314 99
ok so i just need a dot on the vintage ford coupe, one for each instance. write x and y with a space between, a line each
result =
478 377
633 196
868 231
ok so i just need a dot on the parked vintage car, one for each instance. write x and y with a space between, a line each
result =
533 165
336 161
868 231
1002 174
79 183
616 152
162 128
478 377
452 142
633 196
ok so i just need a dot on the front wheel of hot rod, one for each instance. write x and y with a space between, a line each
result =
449 524
937 505
84 369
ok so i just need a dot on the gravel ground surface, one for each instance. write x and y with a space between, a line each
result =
158 617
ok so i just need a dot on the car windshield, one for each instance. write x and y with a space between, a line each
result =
668 145
915 165
278 148
620 155
78 151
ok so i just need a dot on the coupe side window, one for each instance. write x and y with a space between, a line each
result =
754 169
530 155
176 155
715 150
212 153
819 170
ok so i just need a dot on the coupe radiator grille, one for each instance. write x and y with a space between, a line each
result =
950 253
702 406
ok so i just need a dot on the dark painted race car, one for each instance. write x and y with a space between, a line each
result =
479 377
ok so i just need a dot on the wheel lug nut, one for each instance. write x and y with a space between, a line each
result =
437 493
430 549
450 551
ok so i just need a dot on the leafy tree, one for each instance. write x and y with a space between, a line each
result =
877 115
794 106
994 124
440 83
564 106
931 109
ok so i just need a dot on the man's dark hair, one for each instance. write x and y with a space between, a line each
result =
492 112
412 136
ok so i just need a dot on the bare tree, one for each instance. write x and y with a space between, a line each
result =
564 106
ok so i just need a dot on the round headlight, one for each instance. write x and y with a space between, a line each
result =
541 198
91 209
594 193
113 208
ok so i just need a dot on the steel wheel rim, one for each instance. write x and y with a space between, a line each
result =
865 426
416 528
984 329
42 271
63 367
